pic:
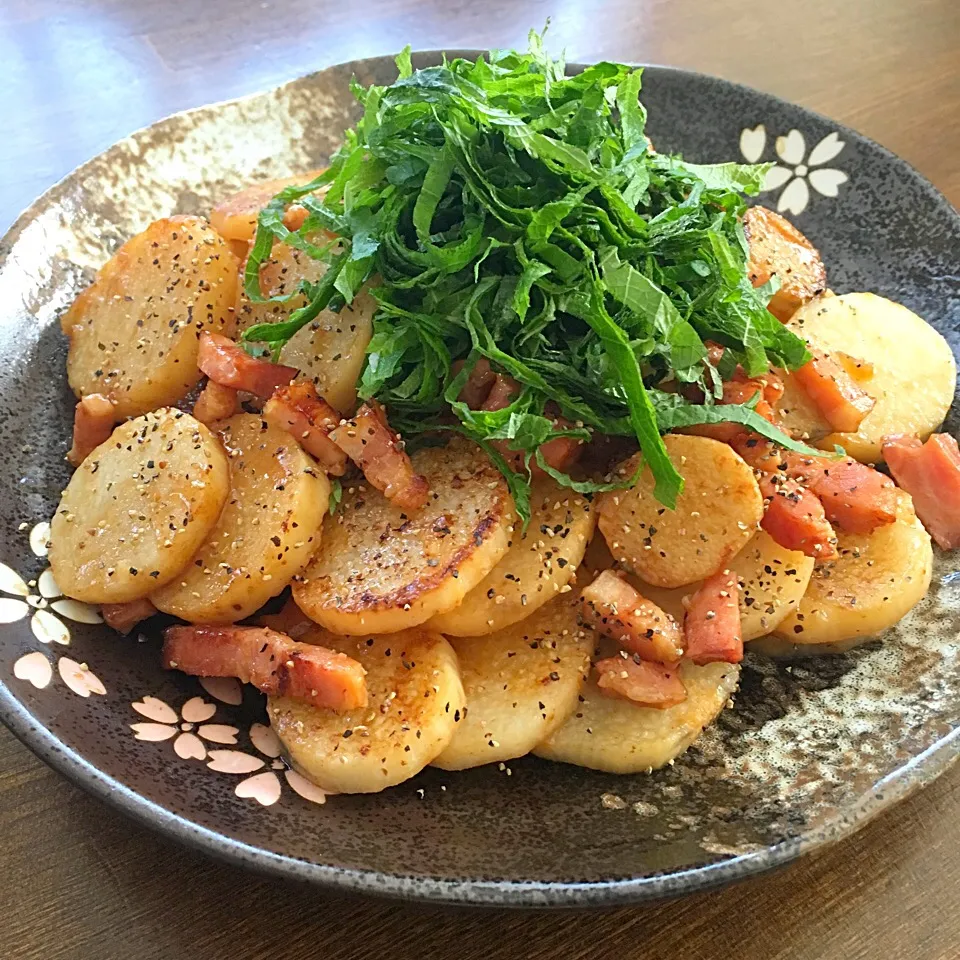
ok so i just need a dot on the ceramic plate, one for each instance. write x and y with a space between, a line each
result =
811 749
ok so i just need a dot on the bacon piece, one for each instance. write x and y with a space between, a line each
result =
614 608
300 410
560 453
855 497
930 473
221 359
503 391
123 617
842 401
370 443
711 626
650 684
794 517
271 661
742 389
478 384
216 402
93 421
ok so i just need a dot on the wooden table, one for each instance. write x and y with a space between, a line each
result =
81 881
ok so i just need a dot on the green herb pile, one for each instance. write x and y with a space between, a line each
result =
511 212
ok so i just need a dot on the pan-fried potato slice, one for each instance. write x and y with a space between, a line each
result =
717 513
772 582
266 534
914 371
779 249
415 703
330 350
540 562
134 331
138 508
382 569
521 684
877 579
236 217
618 736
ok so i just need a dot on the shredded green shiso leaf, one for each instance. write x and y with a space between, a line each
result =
505 210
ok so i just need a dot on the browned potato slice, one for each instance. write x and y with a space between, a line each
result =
382 569
134 331
415 703
269 527
138 508
236 217
878 578
540 563
772 583
617 736
778 248
914 371
521 683
331 349
717 513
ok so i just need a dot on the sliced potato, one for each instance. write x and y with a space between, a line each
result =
382 569
541 561
266 534
778 249
236 217
415 703
134 331
521 683
617 736
138 508
331 349
717 513
877 579
772 582
914 371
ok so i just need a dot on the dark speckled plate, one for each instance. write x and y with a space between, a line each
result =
810 751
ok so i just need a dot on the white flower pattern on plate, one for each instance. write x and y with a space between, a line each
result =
797 169
36 667
165 724
264 787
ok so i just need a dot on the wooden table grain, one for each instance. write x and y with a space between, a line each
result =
80 881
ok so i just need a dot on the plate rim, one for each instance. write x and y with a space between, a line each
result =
916 773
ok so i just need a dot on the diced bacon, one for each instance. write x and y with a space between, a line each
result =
560 453
478 384
93 421
614 608
271 661
216 402
855 497
711 626
715 351
842 401
503 391
930 473
123 617
740 390
646 683
370 443
794 517
221 359
301 411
